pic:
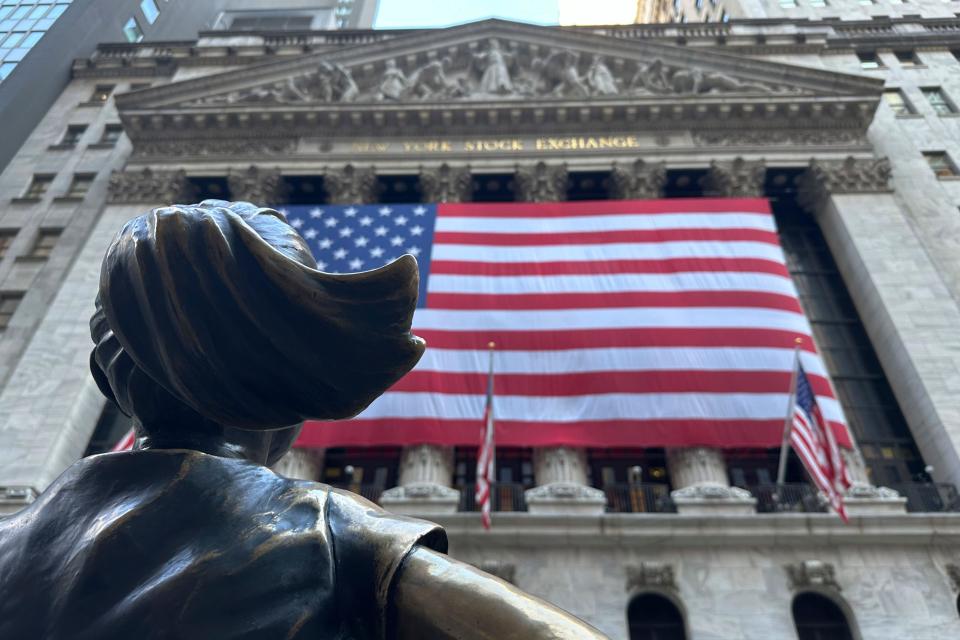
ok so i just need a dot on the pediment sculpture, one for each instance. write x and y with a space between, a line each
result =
494 70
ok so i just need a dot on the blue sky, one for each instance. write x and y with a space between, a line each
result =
398 14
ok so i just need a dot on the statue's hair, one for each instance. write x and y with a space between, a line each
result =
215 315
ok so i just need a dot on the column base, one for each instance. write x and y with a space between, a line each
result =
710 499
421 499
868 500
558 498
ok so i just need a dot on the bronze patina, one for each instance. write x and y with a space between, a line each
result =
215 332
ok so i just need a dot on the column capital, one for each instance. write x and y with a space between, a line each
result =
351 185
737 178
426 471
561 474
850 175
149 186
699 475
541 182
639 180
446 184
258 185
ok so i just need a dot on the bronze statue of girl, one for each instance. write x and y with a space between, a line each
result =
215 332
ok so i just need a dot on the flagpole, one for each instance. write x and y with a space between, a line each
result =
493 453
788 421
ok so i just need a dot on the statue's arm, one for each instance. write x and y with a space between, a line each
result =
437 597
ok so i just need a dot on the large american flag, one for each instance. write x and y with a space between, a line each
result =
617 323
816 446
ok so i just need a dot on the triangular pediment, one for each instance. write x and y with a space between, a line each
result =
496 76
497 61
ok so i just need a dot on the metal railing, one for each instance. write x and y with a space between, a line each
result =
787 498
929 497
639 498
505 496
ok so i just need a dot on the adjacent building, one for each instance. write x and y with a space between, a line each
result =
40 39
849 127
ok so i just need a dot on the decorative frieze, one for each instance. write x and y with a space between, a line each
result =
737 178
639 180
351 185
541 182
446 184
811 574
850 175
258 185
149 186
651 575
213 147
781 137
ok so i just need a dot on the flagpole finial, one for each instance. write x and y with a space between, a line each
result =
798 340
492 345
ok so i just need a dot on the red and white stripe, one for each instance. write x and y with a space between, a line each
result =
617 323
126 442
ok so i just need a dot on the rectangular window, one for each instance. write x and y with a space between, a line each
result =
907 58
80 185
788 4
941 164
111 133
150 10
132 31
73 134
38 11
31 40
101 93
897 102
38 186
44 244
818 3
12 39
20 12
6 239
57 11
6 69
869 60
9 301
938 100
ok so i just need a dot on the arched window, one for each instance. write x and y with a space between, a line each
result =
654 617
819 618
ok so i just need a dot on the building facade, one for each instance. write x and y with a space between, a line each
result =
40 39
848 127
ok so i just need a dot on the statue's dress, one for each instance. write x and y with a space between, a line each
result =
179 544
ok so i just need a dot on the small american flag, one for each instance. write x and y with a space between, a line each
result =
485 459
816 445
126 442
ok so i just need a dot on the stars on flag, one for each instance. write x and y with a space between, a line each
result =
350 238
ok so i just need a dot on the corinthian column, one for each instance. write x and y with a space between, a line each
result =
561 474
541 182
737 178
351 185
302 464
701 487
257 185
637 181
426 472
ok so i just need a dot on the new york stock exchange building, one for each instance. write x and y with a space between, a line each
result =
376 143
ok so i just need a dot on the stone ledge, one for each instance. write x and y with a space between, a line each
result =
713 499
565 498
421 499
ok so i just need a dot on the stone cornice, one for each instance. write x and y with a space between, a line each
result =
824 178
741 36
675 531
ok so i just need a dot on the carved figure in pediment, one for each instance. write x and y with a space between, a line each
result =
600 78
697 81
344 87
559 77
431 81
651 78
394 82
494 65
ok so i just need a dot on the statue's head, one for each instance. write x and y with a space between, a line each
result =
213 327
